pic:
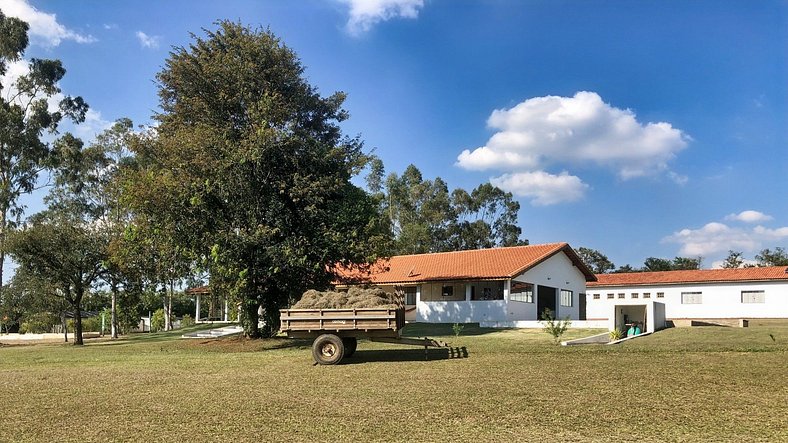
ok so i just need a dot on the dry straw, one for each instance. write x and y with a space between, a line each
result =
353 298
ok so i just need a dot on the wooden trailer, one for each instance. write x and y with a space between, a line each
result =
336 331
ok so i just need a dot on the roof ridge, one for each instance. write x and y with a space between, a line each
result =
482 249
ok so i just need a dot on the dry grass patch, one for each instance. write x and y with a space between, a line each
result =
698 384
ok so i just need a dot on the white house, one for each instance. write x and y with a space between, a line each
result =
716 296
495 287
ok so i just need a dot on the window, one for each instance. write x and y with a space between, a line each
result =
621 295
566 297
447 291
596 296
410 296
646 295
753 297
691 298
522 292
487 290
660 295
634 295
609 295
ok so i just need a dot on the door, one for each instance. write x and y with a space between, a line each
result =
545 299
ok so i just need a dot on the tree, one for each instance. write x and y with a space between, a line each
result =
625 269
253 171
767 257
25 117
686 263
596 261
653 264
59 248
425 217
734 260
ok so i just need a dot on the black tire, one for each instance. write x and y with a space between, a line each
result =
328 349
351 343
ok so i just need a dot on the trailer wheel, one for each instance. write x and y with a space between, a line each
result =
350 346
328 349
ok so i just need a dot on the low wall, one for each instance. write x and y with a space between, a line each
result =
41 337
532 324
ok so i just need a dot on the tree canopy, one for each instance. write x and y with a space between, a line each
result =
250 171
425 217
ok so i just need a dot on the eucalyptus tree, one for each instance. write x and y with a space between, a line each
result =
425 217
26 116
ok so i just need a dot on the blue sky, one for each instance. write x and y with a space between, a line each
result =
637 128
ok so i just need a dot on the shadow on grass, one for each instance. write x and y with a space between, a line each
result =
405 355
444 329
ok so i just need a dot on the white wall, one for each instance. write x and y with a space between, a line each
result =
559 272
720 300
461 311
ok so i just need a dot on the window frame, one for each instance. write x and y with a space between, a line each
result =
561 299
759 300
692 297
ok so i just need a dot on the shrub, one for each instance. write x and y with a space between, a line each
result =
616 334
38 323
157 321
457 328
89 324
555 328
187 321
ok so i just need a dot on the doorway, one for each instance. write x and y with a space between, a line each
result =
545 299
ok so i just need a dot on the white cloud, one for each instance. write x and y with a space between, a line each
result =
148 41
581 130
93 125
541 187
715 238
364 14
749 217
44 28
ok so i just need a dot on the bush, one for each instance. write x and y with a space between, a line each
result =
187 321
157 320
554 327
616 334
89 324
38 323
457 329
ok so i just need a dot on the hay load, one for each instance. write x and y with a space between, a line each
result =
353 298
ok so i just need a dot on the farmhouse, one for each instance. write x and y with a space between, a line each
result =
495 287
683 298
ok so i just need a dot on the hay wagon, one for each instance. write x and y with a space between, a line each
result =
336 331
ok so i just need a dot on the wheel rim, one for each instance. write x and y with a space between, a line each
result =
328 350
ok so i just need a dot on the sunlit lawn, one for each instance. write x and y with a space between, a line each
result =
698 384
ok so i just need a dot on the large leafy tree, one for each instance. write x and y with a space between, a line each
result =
59 248
776 257
25 117
734 260
425 217
595 260
253 171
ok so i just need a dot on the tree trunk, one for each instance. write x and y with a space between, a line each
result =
76 303
114 312
249 317
271 318
64 323
3 218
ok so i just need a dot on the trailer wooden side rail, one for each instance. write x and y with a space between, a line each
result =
336 331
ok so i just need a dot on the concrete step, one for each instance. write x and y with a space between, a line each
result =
215 333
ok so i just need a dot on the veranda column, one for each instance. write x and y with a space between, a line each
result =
226 310
197 310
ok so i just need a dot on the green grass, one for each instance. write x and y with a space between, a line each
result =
698 384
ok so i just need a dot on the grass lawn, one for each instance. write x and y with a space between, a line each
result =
693 384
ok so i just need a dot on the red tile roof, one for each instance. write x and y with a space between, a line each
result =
698 276
485 264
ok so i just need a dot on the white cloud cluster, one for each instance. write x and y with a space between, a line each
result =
364 14
579 131
148 41
714 238
44 28
541 188
749 217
